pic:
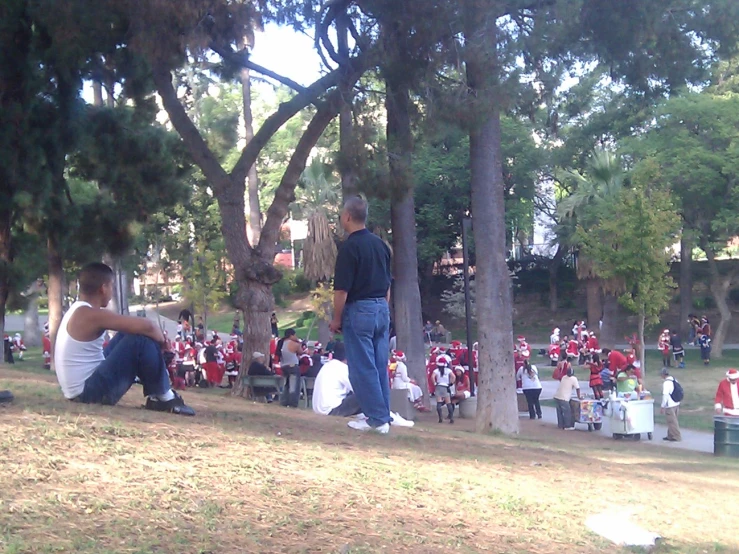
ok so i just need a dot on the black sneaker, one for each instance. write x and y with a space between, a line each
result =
175 406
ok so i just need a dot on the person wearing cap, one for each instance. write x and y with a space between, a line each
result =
443 380
670 408
727 395
258 367
333 393
401 380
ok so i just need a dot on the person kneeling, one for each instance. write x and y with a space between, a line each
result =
332 393
90 375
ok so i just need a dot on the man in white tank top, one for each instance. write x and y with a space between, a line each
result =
90 375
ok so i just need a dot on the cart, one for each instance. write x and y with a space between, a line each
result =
588 412
631 418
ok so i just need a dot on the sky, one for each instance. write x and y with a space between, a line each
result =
288 53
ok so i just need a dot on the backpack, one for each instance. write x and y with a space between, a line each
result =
677 394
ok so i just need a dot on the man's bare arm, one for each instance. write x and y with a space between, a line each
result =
92 322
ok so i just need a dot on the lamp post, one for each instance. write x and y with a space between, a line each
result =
466 226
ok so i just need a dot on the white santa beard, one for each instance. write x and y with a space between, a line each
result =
734 394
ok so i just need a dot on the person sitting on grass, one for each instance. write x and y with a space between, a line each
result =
90 375
333 393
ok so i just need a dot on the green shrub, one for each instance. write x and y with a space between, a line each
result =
302 283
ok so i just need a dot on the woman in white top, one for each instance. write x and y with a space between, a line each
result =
402 381
443 378
529 377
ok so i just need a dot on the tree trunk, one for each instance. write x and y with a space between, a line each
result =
346 123
554 266
31 331
720 287
406 293
610 322
496 404
595 309
642 350
254 228
257 302
686 284
324 333
55 291
6 258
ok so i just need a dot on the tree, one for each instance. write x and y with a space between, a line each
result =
633 249
599 187
695 148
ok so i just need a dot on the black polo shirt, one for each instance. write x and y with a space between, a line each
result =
363 267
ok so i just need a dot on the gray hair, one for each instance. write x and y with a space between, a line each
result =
357 209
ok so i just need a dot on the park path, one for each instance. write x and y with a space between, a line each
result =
697 441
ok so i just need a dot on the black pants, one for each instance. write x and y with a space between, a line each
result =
348 407
291 393
532 399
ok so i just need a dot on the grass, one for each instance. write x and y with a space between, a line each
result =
247 477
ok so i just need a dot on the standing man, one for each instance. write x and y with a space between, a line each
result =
361 312
670 407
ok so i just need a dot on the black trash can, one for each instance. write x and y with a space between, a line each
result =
726 436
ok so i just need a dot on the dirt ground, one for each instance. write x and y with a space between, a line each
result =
249 477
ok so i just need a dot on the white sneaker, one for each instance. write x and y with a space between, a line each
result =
400 421
362 425
569 428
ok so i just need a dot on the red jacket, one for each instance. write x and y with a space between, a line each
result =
727 397
616 361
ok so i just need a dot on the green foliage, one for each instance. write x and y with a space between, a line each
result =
633 248
292 282
206 281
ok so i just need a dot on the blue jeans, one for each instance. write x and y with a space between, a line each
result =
126 357
291 391
366 326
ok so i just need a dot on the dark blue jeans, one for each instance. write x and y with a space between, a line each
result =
366 325
126 357
291 391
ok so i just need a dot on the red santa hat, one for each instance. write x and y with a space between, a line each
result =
521 338
443 360
732 374
435 350
456 344
459 368
399 355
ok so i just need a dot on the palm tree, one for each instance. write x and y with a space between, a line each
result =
600 184
318 194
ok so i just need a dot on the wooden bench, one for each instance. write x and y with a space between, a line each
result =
262 381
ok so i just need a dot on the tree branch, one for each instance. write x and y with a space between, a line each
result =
196 145
288 109
241 59
285 193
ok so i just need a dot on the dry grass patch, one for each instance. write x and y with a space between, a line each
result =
245 477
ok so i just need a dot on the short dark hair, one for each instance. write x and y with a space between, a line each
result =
357 209
339 351
93 276
289 333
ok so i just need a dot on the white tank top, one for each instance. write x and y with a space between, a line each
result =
287 358
75 360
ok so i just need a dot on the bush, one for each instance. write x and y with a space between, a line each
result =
301 283
705 303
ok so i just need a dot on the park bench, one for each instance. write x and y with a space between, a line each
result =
262 381
307 384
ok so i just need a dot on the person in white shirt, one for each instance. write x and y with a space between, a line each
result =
567 385
529 376
401 380
670 408
332 392
90 375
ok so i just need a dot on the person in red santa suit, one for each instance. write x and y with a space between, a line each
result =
46 347
455 349
593 344
573 348
431 366
554 353
18 346
523 347
663 345
727 395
